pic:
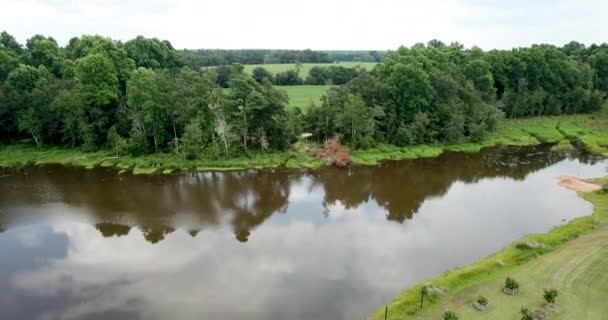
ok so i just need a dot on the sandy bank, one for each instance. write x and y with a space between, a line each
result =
577 184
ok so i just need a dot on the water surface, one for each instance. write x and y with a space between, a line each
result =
268 244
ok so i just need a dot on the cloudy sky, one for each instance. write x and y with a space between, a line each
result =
316 24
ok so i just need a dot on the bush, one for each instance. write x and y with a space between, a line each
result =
526 314
260 74
550 295
483 301
511 283
450 315
288 78
334 153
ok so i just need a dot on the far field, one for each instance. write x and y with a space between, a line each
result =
303 96
281 67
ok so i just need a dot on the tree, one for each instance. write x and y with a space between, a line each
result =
450 315
152 53
244 99
9 42
97 83
550 295
9 61
113 50
25 77
260 74
526 314
223 76
192 139
511 283
117 143
148 115
30 121
34 94
45 51
359 122
70 104
288 78
317 76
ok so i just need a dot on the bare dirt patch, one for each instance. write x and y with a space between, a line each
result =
577 184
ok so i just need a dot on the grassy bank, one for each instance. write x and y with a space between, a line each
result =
572 259
588 131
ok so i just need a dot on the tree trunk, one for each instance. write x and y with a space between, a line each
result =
352 130
38 143
245 132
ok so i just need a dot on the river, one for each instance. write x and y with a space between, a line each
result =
266 244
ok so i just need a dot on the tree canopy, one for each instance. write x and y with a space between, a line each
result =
143 96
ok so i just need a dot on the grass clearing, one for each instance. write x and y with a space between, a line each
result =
573 260
303 96
275 68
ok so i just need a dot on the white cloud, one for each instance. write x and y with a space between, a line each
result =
316 24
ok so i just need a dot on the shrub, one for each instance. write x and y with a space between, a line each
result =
511 283
483 301
526 314
604 189
334 153
550 295
450 315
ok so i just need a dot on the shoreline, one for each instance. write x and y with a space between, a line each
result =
464 281
589 132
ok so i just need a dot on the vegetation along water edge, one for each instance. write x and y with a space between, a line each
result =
571 259
589 132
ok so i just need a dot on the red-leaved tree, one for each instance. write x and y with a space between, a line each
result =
334 153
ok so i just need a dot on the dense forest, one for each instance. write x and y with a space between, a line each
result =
141 96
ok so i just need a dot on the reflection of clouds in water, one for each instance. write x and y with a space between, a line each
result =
198 276
298 265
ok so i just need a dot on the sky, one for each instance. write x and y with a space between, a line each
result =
314 24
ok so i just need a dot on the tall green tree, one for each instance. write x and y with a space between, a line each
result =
97 84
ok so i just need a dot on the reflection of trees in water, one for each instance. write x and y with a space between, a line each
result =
245 199
112 229
401 187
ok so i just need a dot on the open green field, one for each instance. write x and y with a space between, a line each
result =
303 96
281 67
587 131
574 260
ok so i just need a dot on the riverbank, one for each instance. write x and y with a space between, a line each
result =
589 132
571 258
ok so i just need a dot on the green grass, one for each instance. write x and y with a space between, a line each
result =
303 96
19 155
573 261
275 68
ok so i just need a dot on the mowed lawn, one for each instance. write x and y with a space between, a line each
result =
303 96
275 68
578 270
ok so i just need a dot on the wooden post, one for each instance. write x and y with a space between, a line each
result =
385 312
422 296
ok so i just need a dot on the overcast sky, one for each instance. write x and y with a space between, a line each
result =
315 24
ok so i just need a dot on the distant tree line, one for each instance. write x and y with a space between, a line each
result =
139 97
216 57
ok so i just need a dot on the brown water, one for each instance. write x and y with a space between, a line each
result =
270 244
